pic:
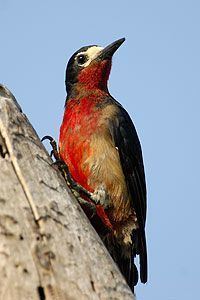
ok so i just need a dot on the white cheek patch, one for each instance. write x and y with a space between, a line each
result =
91 53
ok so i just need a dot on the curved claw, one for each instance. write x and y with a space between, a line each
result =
53 143
51 153
47 137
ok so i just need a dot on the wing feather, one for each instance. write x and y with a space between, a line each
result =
126 140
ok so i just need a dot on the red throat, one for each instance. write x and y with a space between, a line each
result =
95 75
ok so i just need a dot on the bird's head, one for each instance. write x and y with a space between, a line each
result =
89 67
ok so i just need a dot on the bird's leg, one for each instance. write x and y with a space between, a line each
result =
64 168
100 197
73 185
71 182
54 151
76 188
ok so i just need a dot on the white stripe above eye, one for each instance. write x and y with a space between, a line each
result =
91 53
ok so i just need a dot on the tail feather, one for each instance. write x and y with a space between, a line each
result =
124 262
123 255
143 257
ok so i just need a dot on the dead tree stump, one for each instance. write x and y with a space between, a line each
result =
48 248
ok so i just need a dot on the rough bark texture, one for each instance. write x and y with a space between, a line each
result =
48 249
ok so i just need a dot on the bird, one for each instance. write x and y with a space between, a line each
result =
99 144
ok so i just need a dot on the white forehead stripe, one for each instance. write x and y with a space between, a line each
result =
91 53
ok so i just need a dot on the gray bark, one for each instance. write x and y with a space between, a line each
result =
48 248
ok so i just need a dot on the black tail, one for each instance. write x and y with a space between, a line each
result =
124 255
143 257
125 262
129 270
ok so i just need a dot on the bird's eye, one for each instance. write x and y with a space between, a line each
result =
81 59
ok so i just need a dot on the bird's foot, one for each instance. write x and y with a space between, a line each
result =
76 188
100 197
54 152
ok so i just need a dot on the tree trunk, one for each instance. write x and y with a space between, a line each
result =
48 248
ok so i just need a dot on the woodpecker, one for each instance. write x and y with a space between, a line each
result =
99 144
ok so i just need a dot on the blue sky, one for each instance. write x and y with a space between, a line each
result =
155 76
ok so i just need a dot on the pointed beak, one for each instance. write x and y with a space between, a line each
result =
108 51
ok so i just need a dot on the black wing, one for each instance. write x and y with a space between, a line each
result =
126 140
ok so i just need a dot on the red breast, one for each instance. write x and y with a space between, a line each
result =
79 123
